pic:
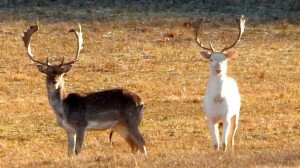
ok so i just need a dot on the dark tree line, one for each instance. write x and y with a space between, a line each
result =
160 4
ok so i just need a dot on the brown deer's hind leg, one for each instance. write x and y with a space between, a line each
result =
110 138
138 140
130 140
133 137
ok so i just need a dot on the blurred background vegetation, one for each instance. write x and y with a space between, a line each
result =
256 10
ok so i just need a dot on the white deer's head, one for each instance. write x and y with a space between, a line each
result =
218 59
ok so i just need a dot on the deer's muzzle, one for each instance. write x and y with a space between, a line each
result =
218 71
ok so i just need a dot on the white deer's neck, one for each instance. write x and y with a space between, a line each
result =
214 77
56 96
216 82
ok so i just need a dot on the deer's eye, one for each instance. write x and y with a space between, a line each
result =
210 60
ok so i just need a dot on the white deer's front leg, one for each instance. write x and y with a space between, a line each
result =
225 135
71 143
214 133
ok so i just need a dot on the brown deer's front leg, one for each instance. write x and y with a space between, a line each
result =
71 143
79 140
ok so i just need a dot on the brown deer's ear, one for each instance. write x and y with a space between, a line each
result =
67 68
206 54
231 54
42 68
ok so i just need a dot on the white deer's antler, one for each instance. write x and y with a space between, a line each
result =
241 22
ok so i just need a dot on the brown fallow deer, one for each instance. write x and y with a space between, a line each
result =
115 109
221 103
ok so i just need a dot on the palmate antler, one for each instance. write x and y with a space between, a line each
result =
33 29
79 45
241 22
26 40
198 25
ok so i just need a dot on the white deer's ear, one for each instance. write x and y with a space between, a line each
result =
206 54
67 68
42 68
231 54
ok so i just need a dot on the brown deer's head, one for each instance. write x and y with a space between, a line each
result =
54 72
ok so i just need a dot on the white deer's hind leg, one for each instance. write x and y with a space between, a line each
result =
234 124
71 143
214 133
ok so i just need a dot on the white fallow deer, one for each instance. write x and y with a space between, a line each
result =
221 103
115 109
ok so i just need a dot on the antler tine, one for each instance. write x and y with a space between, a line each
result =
211 46
197 26
241 22
26 40
62 61
79 45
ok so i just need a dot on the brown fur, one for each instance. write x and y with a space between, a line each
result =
116 109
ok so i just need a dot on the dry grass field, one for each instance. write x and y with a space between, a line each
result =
154 55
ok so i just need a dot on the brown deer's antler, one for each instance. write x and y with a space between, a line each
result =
197 27
33 29
26 40
241 22
79 46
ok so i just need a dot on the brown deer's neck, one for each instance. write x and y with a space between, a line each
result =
56 95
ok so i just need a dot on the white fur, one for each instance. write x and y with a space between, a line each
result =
101 125
222 99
